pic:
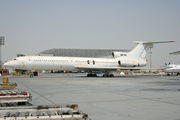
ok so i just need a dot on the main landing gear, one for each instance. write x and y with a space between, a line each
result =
91 75
108 75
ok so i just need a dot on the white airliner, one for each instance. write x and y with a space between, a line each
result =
171 68
120 61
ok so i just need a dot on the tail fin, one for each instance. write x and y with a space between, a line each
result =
142 48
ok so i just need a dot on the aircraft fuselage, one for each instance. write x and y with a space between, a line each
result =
70 63
172 69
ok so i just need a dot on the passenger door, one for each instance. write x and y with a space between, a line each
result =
71 64
29 64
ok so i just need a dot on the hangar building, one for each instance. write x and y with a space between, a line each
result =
97 53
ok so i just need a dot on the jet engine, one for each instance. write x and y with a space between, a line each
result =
131 63
119 54
127 63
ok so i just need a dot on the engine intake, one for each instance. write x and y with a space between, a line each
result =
119 54
128 63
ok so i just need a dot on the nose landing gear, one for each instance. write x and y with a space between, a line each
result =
31 76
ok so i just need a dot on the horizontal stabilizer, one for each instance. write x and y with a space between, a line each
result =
142 48
155 42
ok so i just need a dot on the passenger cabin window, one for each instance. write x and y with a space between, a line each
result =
125 54
121 54
14 59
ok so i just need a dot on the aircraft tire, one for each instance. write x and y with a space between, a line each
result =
111 75
31 76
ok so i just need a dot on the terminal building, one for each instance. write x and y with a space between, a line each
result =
94 53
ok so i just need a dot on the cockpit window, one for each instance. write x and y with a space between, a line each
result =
15 59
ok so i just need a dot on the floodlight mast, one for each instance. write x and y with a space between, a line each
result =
1 43
150 56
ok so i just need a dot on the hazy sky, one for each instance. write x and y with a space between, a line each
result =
32 26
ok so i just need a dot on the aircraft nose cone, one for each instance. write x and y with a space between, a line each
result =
11 64
6 64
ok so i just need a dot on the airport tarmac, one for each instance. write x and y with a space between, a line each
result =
123 97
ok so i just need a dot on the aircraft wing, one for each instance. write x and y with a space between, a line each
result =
168 67
96 68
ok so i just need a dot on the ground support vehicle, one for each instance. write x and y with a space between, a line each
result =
15 104
8 86
14 96
51 112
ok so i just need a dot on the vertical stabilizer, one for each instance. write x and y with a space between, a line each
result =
142 48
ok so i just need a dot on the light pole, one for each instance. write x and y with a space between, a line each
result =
150 56
1 43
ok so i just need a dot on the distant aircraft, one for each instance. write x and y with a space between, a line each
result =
175 53
171 68
120 61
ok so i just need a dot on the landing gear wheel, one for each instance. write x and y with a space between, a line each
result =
88 75
94 75
31 76
111 75
91 75
107 75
